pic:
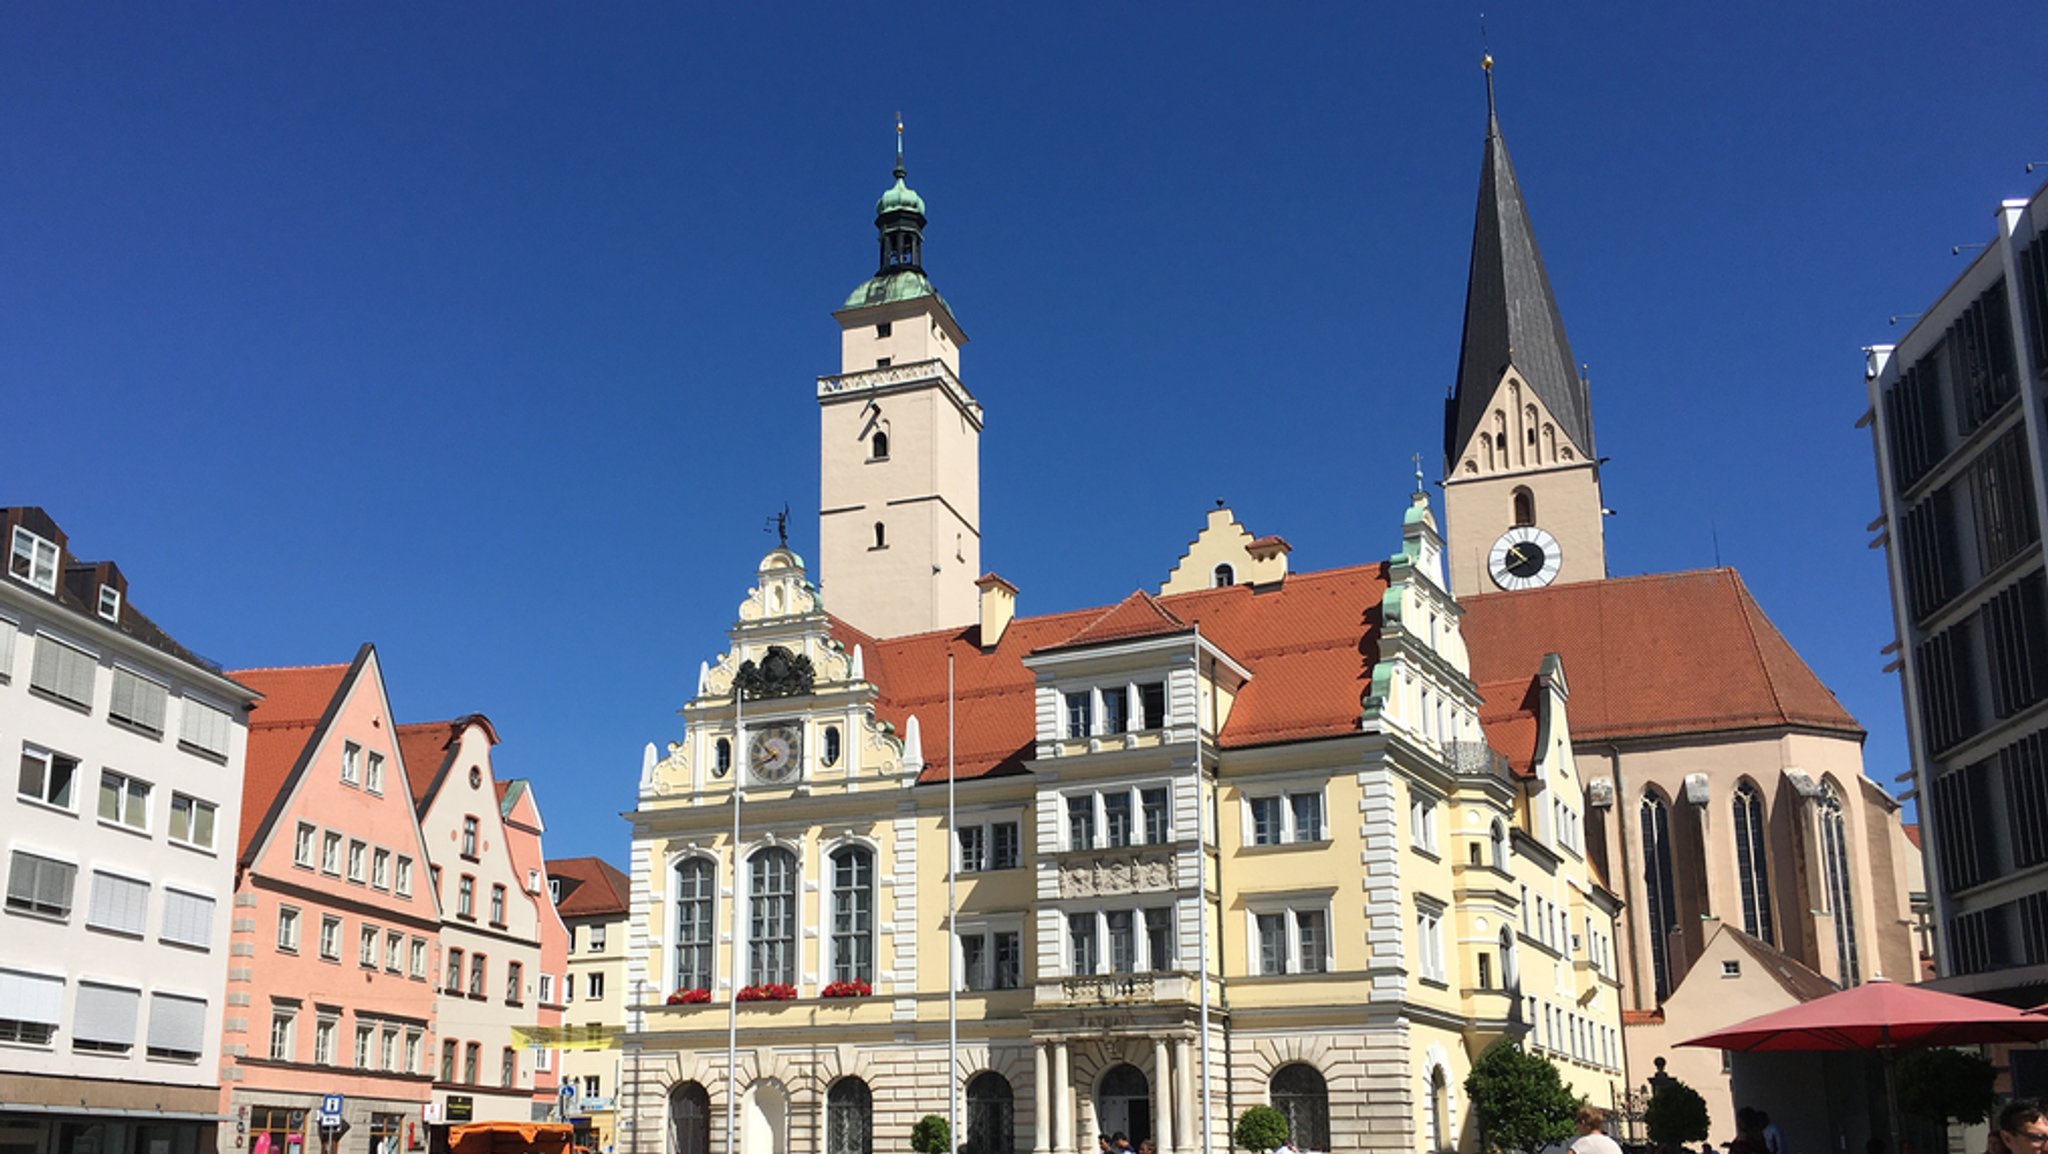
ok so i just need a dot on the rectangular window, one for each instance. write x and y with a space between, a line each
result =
1159 938
1116 818
1422 824
29 1007
387 1048
508 1067
1272 943
1158 828
1081 822
515 983
34 560
110 603
204 729
469 838
974 961
403 882
1313 941
323 1041
1268 821
8 631
40 885
1080 713
1152 697
472 1056
1006 846
1083 956
188 919
973 848
138 702
367 955
124 800
394 951
351 765
1116 709
356 852
1123 941
380 868
281 1023
288 929
363 1036
1294 941
454 983
63 671
120 905
103 1019
1308 815
192 823
412 1051
597 938
465 897
594 987
419 958
1429 943
991 960
497 905
447 1060
47 777
330 937
373 779
547 991
330 853
476 975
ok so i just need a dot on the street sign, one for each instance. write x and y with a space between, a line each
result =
330 1111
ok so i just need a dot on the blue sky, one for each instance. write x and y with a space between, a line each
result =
489 332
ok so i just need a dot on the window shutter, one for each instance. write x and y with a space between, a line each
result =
188 919
105 1014
119 904
7 632
205 727
176 1024
138 700
31 997
63 671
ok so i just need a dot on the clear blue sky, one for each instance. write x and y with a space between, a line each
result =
488 332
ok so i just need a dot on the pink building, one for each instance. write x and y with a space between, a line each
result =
520 811
335 927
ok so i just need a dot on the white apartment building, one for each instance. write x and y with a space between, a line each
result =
119 837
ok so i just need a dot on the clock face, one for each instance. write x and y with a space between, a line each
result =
773 753
1525 557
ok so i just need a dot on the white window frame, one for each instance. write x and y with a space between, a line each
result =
987 832
401 879
110 603
330 853
357 851
366 941
288 929
351 763
380 868
284 1030
373 774
1429 940
324 1028
141 928
987 931
125 800
330 938
418 961
192 807
49 758
1422 820
1290 832
1290 908
40 555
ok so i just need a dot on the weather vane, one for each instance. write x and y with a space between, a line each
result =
780 523
1417 458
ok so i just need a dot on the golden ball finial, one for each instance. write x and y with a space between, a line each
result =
1486 62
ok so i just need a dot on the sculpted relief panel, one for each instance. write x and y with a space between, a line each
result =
1106 876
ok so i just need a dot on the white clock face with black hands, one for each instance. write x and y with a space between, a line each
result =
772 754
1525 557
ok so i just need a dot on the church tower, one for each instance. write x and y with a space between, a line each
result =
899 517
1521 482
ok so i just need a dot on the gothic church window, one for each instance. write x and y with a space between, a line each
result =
1751 865
1659 890
1834 848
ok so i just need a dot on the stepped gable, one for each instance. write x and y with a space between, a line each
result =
295 701
1310 644
1654 656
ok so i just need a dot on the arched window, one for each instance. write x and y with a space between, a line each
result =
721 763
1752 868
1834 850
831 745
1500 844
1439 1136
991 1115
689 1120
1224 575
1525 506
853 914
878 446
1300 1093
1660 896
881 536
1510 972
696 888
771 917
849 1117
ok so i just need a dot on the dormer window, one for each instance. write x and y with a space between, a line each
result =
1223 577
33 560
110 603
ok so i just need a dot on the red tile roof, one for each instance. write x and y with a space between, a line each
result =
1913 834
591 887
1507 715
1649 656
1642 1017
280 726
425 746
1139 615
1310 644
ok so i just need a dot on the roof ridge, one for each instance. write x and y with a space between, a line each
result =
1747 606
289 668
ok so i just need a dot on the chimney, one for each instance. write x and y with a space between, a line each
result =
998 606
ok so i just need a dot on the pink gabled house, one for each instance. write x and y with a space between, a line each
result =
336 929
520 811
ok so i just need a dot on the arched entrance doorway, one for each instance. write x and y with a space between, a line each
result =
1123 1103
689 1119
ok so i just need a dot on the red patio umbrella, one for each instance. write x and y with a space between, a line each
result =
1881 1016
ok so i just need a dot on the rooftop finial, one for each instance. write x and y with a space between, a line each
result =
1417 458
899 146
1486 66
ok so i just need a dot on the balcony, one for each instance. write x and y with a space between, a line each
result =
1163 988
1477 759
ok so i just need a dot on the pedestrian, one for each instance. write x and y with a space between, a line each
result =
1120 1143
1774 1138
2022 1128
1749 1132
1592 1138
1146 1147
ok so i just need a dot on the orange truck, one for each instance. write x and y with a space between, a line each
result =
511 1138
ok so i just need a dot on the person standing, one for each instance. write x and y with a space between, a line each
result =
1592 1138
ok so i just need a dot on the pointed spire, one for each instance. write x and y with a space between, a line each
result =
900 173
1511 315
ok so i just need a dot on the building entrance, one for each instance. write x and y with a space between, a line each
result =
1123 1103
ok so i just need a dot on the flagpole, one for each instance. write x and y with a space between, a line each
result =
732 997
1202 893
952 932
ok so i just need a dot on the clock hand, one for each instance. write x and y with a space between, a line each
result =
1514 554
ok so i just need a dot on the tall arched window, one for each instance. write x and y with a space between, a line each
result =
1439 1136
991 1115
849 1117
1660 896
1752 868
696 887
1510 969
878 446
721 757
689 1120
1224 575
853 914
1300 1094
771 917
1834 851
1525 506
1500 844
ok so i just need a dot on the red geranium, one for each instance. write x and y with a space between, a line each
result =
853 989
689 997
767 992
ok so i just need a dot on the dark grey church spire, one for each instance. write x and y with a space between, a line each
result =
1510 315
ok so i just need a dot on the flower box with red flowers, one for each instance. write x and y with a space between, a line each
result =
691 997
767 992
853 989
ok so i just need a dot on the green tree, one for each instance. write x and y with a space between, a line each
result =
1676 1115
1945 1086
1260 1128
1518 1100
931 1135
